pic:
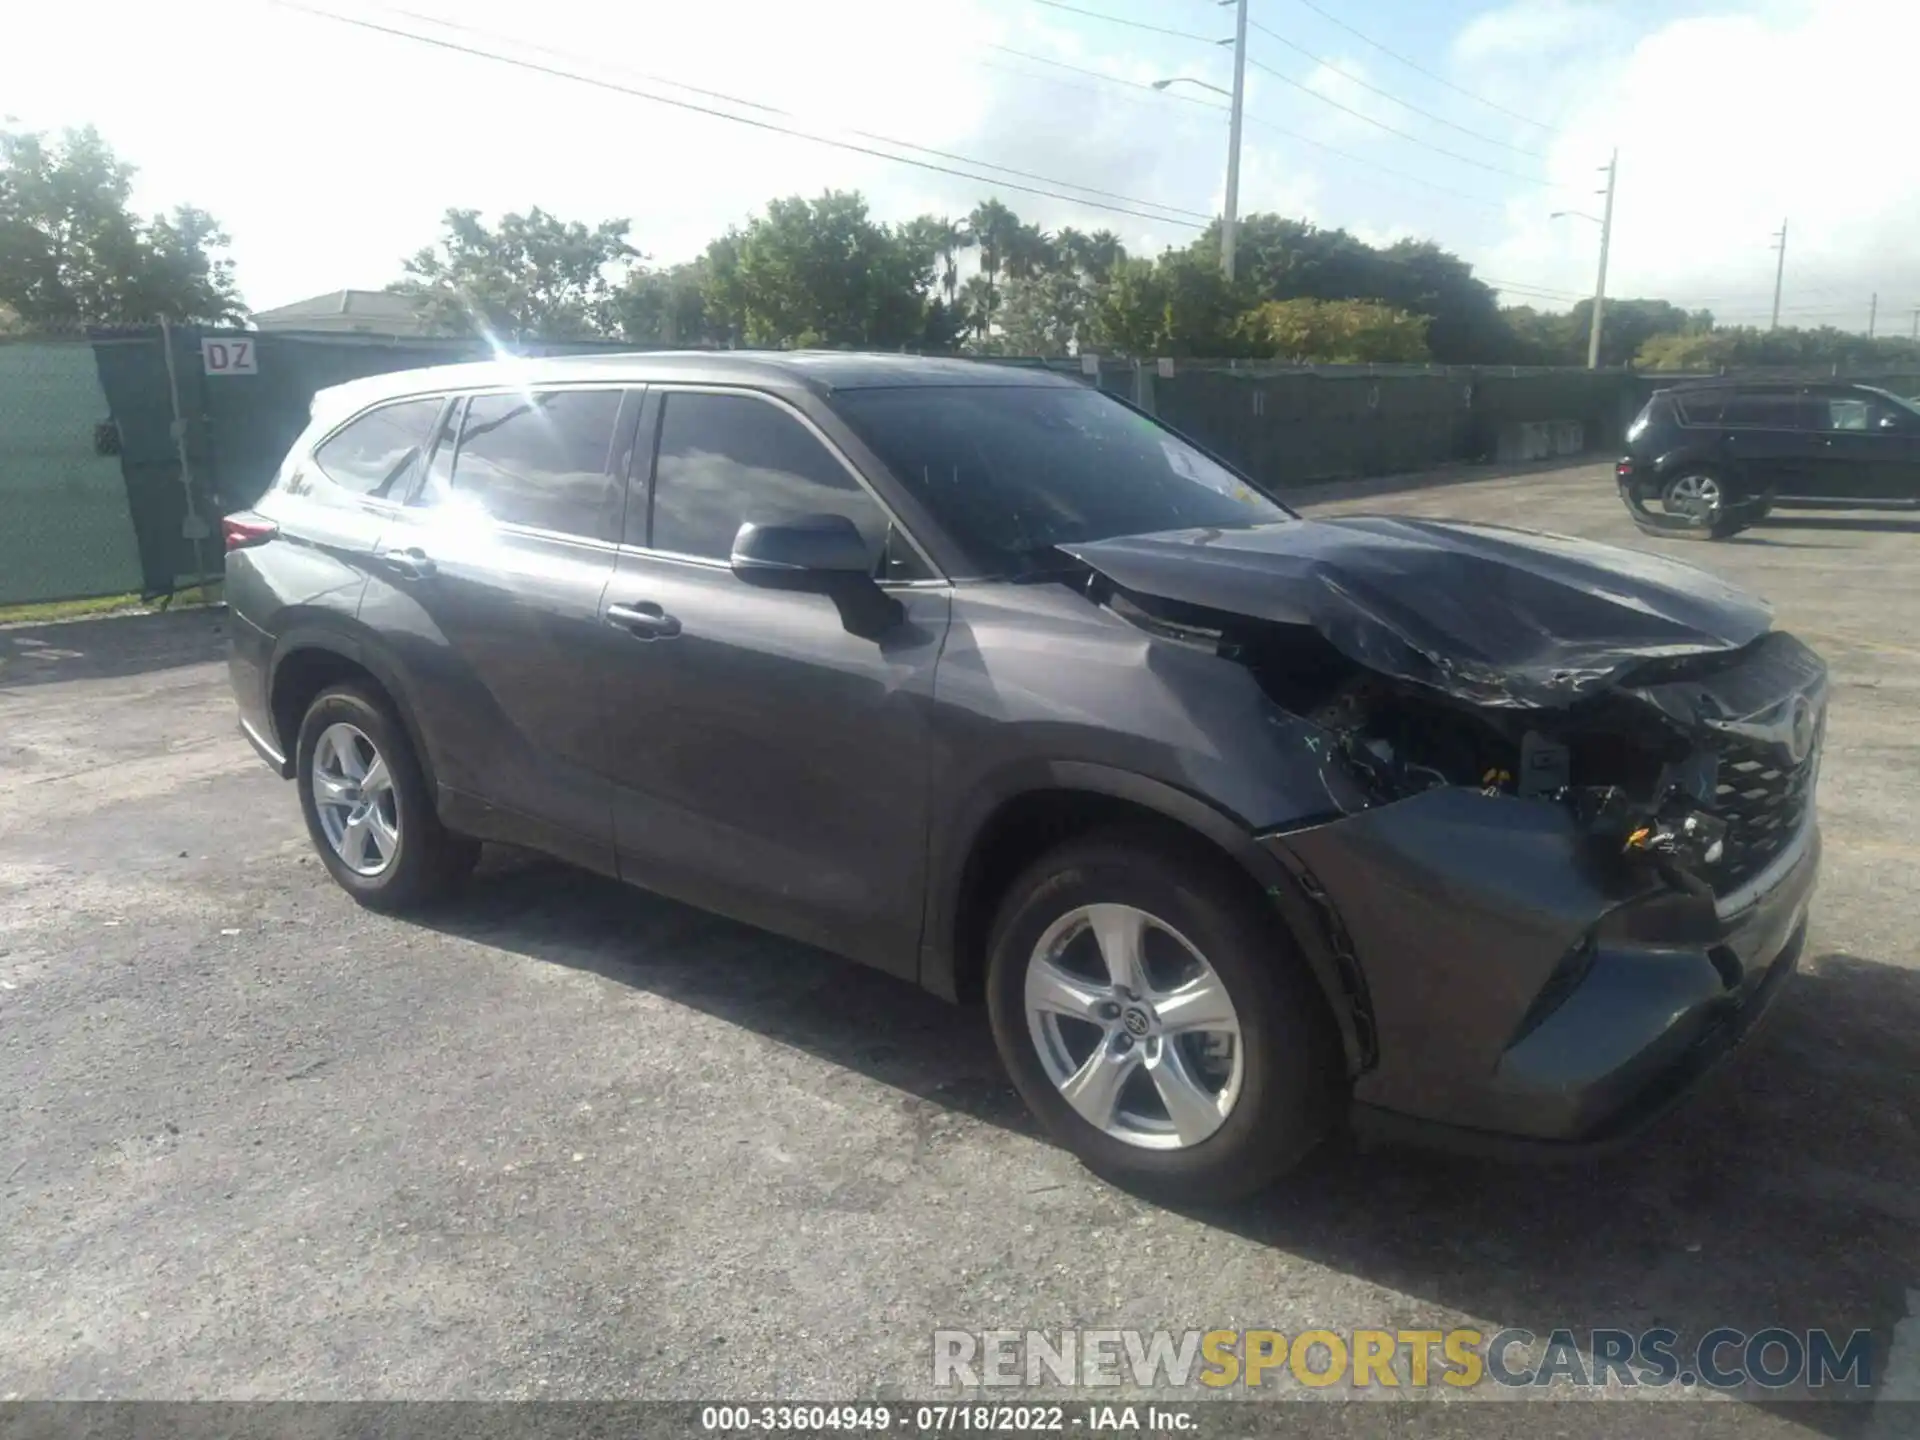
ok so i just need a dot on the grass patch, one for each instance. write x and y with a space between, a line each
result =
48 610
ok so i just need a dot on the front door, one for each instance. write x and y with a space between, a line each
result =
489 587
1867 454
769 743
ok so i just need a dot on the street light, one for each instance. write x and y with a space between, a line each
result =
1606 239
1236 97
1189 80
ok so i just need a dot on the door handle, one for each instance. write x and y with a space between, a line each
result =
645 621
412 562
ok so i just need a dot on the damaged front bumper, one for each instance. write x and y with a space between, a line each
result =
1522 998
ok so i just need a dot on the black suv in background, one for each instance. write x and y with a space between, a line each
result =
1235 820
1708 460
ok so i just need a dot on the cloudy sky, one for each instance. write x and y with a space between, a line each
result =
329 150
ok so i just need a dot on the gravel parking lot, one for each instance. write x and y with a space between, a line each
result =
571 1141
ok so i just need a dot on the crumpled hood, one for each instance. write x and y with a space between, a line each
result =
1490 614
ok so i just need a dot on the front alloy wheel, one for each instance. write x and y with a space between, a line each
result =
1134 1027
1156 1018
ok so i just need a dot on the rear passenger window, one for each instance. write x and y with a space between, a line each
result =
541 460
1766 411
727 459
1702 409
377 453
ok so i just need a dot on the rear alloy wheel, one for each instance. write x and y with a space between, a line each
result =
1152 1015
1699 499
353 796
1695 493
367 807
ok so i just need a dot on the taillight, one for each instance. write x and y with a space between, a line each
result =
240 531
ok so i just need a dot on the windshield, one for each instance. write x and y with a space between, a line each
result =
1014 470
1910 405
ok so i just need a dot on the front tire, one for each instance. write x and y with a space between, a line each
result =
1156 1019
367 807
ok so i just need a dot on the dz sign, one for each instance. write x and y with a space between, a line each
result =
229 357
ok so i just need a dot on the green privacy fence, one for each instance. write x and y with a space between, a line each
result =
65 527
121 448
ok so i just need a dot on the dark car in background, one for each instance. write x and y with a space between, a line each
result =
1708 460
1239 823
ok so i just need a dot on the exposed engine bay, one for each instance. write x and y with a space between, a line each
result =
1699 768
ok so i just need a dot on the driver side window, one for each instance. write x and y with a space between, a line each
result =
724 459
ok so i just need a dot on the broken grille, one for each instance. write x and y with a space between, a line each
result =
1764 798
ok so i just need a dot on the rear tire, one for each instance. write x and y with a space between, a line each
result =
1251 1100
367 807
1697 498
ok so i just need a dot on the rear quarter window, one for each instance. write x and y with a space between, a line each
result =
377 453
1703 408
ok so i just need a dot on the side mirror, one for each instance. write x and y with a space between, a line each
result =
806 544
1891 422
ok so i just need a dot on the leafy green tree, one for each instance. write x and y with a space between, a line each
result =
534 277
943 239
1338 332
1282 259
72 252
822 273
1538 337
1626 325
668 306
1735 347
1178 305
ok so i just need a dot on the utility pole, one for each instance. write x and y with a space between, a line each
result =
1873 313
1779 272
1916 322
1600 285
1231 219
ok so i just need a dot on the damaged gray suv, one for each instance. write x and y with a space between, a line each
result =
1243 826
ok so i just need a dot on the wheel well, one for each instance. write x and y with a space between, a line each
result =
1016 835
304 674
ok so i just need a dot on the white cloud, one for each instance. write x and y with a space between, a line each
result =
1531 31
329 152
1727 124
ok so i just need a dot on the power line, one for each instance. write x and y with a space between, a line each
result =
774 110
1130 24
1303 88
1392 130
1421 69
1348 76
557 72
1261 121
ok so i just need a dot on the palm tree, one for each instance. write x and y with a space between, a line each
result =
1100 254
995 229
949 240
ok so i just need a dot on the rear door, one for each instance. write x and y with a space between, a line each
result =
770 742
1768 440
489 588
334 505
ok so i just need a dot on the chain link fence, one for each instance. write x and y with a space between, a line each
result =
121 448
